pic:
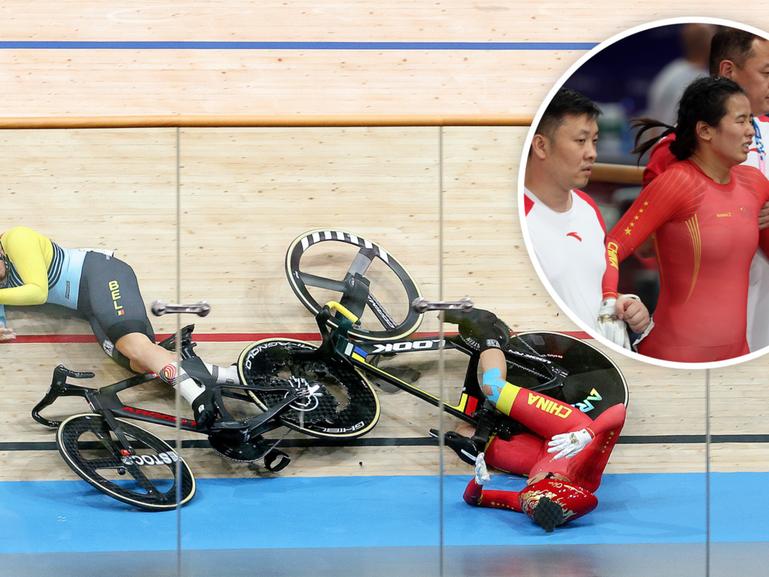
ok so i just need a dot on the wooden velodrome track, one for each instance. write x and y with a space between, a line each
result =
245 193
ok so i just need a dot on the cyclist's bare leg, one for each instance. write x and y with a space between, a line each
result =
494 359
538 412
145 356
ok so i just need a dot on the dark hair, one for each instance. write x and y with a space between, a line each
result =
565 102
730 44
704 100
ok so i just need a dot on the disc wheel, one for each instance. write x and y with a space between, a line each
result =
360 275
594 383
148 475
343 406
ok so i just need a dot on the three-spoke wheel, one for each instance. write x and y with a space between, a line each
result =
359 274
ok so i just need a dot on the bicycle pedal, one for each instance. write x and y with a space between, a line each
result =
276 460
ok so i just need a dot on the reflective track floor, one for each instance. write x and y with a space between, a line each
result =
645 525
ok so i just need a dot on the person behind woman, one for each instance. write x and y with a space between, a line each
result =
703 211
35 270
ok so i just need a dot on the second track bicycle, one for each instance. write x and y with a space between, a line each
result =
560 365
133 465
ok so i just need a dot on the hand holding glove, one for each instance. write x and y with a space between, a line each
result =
630 309
610 326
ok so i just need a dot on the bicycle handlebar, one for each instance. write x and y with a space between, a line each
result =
60 388
60 374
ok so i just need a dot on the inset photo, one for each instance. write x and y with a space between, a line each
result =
644 193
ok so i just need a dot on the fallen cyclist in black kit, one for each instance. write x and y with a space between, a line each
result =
35 270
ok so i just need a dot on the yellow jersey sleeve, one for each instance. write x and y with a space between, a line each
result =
30 254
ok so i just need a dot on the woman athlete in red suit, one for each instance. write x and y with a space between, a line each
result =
703 211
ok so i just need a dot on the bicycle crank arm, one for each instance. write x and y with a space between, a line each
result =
256 425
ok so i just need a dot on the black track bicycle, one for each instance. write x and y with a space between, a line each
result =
371 318
135 466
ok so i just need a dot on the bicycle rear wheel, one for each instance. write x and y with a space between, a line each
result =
147 477
594 383
344 406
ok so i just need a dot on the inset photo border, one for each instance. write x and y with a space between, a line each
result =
682 260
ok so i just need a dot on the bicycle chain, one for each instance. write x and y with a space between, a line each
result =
523 367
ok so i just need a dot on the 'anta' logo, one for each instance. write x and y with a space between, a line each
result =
575 235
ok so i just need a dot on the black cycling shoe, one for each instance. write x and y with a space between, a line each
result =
548 514
204 410
464 447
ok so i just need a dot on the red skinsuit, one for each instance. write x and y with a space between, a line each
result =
526 453
705 237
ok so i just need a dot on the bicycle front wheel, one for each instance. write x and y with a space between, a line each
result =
146 472
324 265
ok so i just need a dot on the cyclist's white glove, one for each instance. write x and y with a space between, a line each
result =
569 444
481 473
610 326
